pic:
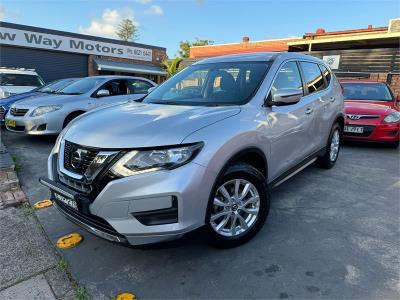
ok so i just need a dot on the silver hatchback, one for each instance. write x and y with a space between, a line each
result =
203 149
49 114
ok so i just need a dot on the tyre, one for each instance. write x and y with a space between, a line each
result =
328 160
238 206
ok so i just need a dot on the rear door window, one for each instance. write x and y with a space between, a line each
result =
327 74
312 77
137 86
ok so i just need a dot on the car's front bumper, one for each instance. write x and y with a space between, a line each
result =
42 125
140 209
378 132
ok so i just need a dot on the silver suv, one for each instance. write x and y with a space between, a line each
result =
203 149
49 114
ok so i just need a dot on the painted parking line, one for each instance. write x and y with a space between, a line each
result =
69 241
43 204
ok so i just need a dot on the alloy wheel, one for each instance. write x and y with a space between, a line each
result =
235 208
335 144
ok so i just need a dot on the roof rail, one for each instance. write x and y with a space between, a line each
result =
17 68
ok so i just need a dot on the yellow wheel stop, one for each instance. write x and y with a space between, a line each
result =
126 296
69 241
43 204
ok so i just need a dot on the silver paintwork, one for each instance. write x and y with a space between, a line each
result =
285 135
70 104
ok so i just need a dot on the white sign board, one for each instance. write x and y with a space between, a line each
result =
9 36
332 61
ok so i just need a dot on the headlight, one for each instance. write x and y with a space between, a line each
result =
392 118
139 161
4 94
41 110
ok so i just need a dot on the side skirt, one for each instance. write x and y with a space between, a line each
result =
296 169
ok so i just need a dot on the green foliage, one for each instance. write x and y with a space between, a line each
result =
62 264
81 293
171 66
127 30
185 46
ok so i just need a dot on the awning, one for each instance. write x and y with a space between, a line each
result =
117 66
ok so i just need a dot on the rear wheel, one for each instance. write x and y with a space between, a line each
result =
328 160
238 207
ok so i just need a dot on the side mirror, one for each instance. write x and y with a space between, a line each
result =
286 97
151 89
103 93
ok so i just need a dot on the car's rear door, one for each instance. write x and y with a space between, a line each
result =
291 126
138 88
317 95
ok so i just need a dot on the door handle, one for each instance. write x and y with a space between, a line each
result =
332 99
309 110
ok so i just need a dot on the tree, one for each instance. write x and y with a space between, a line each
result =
127 30
171 66
185 46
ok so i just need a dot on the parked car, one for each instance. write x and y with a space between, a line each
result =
49 115
373 112
48 89
18 80
202 149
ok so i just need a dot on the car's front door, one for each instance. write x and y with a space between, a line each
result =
117 92
291 126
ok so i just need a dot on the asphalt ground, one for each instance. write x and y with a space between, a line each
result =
330 234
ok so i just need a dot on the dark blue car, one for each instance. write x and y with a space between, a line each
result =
49 88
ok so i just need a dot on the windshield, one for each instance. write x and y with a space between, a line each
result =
55 85
211 84
7 79
81 86
366 91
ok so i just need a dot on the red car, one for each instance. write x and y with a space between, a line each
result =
372 112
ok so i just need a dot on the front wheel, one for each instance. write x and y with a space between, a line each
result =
238 207
328 160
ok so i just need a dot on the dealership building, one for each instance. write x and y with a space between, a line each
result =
57 54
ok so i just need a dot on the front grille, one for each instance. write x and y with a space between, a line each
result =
366 132
18 112
20 128
76 185
362 117
73 151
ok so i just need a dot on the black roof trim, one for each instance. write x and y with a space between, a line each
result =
76 35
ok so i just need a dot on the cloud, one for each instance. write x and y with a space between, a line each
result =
108 23
143 1
3 13
155 10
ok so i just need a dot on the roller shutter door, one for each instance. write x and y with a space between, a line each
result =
50 65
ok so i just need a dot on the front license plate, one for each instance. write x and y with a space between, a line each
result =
11 123
353 129
70 202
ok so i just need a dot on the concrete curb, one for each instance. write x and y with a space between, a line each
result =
10 190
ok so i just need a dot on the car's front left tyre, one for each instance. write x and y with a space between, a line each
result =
331 154
238 206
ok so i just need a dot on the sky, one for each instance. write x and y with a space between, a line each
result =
166 22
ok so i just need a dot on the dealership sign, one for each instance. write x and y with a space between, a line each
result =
332 61
9 36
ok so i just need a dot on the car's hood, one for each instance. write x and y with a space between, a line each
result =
137 125
43 99
28 95
367 107
17 89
